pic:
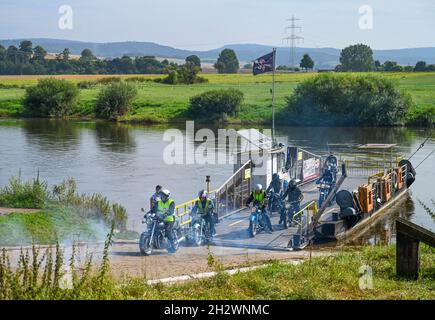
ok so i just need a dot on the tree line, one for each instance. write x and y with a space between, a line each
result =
27 60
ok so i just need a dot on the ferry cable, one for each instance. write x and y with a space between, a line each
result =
425 158
421 145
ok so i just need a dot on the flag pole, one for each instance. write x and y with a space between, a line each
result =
273 95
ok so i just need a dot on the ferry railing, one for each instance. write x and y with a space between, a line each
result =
369 164
229 197
233 193
304 219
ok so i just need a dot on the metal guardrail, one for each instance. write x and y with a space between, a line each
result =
368 164
233 193
312 206
184 209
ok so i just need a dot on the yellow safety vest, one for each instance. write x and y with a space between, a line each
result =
163 208
201 209
259 197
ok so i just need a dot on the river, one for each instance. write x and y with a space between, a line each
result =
125 162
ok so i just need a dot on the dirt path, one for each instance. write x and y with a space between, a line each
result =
126 260
6 211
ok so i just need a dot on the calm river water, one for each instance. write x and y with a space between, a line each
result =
125 162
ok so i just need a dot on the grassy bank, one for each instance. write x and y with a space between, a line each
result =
333 277
65 214
160 103
54 223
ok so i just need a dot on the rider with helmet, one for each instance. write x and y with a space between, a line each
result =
155 197
275 186
205 208
165 208
258 197
295 197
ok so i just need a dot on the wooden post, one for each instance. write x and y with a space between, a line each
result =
408 239
407 256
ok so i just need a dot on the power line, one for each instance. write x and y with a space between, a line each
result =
293 38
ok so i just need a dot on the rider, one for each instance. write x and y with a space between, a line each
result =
295 197
258 197
165 208
205 208
155 197
276 186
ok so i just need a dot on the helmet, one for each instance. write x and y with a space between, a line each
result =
275 176
258 187
165 192
292 183
202 194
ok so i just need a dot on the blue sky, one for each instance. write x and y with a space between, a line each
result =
205 24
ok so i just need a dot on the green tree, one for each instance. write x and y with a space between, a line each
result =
64 55
39 54
87 55
357 58
26 47
51 98
115 100
227 62
194 59
307 62
2 52
420 66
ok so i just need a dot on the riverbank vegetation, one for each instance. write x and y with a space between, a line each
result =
48 275
332 99
162 103
64 213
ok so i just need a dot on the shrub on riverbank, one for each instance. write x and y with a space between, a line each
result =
51 98
216 104
115 100
64 213
24 194
330 99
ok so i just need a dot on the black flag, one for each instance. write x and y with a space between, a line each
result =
263 64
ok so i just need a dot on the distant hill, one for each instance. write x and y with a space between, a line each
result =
323 57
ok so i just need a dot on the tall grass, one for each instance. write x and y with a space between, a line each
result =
50 276
24 194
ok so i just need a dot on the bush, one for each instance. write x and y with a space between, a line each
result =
216 104
51 98
421 116
115 100
330 99
18 194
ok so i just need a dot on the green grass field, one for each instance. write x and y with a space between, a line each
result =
167 103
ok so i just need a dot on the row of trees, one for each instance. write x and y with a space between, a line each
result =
27 59
359 58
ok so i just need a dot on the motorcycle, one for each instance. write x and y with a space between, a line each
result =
287 218
257 221
324 190
274 202
200 232
155 235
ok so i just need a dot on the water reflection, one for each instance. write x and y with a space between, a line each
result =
114 137
51 135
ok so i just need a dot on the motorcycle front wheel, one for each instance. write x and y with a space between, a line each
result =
252 228
145 244
197 237
174 245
